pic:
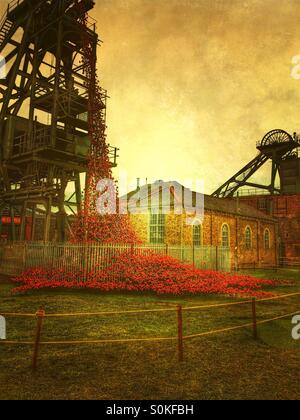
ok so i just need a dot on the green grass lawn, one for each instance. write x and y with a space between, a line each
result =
226 366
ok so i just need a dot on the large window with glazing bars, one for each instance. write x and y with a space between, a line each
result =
197 235
225 236
157 228
248 238
267 239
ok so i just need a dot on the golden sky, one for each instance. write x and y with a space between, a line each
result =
195 83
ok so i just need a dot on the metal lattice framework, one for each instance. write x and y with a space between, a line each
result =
275 138
45 107
277 145
89 225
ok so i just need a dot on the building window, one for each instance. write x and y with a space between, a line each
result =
157 228
267 239
225 236
262 204
248 238
197 235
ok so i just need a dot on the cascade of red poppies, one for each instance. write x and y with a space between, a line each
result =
90 226
146 272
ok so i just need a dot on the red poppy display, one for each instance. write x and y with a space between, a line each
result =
160 274
89 225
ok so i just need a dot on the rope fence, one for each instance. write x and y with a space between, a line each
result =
41 316
136 311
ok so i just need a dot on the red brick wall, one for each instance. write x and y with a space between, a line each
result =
287 209
242 257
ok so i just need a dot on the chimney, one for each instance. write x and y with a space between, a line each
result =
138 183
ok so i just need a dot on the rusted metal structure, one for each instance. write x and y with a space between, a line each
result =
281 149
280 200
44 110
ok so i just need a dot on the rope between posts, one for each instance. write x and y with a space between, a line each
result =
150 339
278 297
239 326
187 308
18 315
136 311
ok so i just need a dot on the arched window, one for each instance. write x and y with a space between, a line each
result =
248 238
197 235
267 239
225 236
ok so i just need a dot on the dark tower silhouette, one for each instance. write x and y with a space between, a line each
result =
279 147
44 102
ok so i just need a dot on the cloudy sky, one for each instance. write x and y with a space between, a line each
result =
195 83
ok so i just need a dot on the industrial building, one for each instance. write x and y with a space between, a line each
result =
250 235
282 201
50 51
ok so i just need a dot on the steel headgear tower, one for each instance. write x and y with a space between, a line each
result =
44 104
279 147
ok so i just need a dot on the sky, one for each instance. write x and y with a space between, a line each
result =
194 84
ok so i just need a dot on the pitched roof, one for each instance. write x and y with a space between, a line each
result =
174 191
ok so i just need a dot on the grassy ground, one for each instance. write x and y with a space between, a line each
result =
226 366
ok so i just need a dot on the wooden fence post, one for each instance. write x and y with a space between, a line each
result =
180 333
40 317
254 318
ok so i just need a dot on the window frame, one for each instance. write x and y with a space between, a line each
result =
157 228
267 239
228 240
197 236
248 238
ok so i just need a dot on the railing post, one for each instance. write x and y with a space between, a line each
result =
180 333
217 258
40 317
85 261
254 319
193 254
24 256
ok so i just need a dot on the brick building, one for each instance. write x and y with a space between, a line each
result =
251 235
10 226
286 208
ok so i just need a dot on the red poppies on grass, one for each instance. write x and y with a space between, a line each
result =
149 272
